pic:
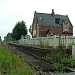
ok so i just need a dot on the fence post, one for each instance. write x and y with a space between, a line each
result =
73 51
66 42
55 43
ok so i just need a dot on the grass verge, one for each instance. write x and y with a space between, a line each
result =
12 64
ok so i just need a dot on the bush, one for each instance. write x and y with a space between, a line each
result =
58 67
72 62
56 57
65 61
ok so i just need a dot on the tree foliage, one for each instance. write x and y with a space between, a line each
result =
19 29
0 37
8 37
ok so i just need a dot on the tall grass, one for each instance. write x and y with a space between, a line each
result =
12 64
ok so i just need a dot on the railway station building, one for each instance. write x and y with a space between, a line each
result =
45 24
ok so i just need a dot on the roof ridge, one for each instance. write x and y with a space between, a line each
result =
60 14
41 13
49 14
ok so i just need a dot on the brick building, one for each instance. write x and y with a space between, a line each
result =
51 24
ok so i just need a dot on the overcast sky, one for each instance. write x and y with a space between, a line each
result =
12 11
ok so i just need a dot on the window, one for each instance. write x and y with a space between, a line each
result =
57 20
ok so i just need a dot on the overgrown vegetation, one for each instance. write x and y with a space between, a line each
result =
61 59
12 64
43 45
58 68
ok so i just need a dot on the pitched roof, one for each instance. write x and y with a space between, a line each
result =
48 19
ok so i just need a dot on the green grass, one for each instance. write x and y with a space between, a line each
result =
12 64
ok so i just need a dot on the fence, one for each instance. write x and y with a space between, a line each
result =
49 41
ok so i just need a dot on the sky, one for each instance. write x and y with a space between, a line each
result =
12 11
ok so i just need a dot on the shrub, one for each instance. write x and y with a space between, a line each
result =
56 57
72 62
65 61
58 67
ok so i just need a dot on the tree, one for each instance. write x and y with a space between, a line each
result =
0 38
30 29
19 29
8 37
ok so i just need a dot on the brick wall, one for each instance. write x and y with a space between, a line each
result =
56 31
41 31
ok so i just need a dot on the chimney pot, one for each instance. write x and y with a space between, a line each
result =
53 12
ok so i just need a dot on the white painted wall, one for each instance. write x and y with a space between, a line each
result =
50 41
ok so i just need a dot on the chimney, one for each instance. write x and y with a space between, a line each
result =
35 12
53 13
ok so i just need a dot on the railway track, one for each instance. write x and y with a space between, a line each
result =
34 59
